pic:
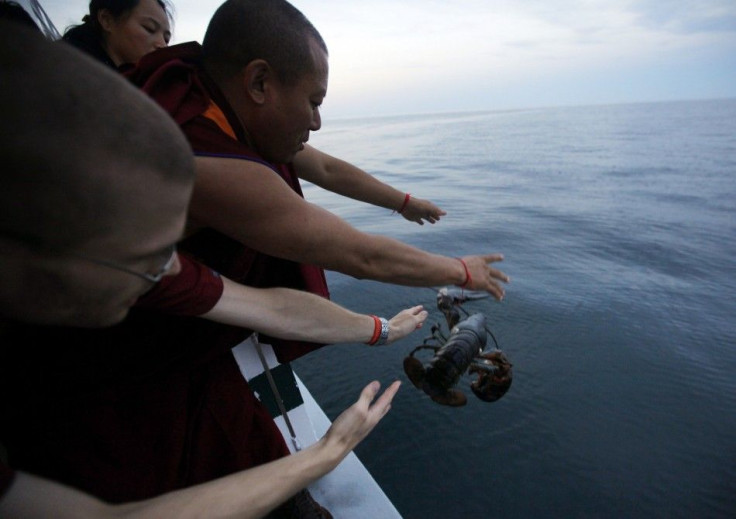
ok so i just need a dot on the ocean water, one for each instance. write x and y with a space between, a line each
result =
618 226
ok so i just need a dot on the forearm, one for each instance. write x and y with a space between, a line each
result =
289 314
248 494
391 261
306 233
345 179
296 315
236 198
31 497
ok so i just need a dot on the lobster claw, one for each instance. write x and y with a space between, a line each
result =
415 370
453 398
492 385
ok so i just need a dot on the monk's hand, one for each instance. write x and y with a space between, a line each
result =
418 210
358 420
483 276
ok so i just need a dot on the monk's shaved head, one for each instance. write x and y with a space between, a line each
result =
90 166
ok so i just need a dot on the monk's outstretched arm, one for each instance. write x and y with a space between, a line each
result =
345 179
250 203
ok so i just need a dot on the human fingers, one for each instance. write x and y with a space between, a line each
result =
431 217
437 213
433 212
497 274
368 393
382 406
354 423
495 289
493 272
417 314
378 408
357 422
414 310
481 276
413 216
405 322
419 210
492 258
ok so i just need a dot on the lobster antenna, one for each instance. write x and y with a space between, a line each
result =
493 337
467 314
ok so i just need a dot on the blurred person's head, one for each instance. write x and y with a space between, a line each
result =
96 179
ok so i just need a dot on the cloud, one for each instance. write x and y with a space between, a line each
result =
679 16
388 56
447 54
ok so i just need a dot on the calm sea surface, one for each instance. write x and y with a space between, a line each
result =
618 224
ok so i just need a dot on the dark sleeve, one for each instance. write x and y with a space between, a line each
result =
6 478
192 292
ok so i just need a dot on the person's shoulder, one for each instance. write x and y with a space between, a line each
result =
170 77
189 52
185 56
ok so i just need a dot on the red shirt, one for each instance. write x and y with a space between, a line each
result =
194 291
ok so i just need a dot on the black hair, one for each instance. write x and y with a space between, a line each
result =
88 35
118 9
273 30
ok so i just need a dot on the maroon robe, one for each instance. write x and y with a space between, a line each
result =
156 403
176 81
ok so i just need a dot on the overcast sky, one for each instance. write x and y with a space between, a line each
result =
425 56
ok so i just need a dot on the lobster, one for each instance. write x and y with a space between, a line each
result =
449 298
459 353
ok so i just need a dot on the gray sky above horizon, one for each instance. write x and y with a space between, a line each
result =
428 56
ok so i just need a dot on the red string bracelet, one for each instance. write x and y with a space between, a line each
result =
406 202
376 330
468 279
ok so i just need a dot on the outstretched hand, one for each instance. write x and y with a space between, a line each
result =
417 210
358 420
405 322
483 276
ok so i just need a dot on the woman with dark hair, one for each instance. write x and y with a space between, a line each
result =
119 32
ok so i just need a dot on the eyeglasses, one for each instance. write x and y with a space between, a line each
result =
153 278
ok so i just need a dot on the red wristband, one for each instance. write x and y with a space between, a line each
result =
468 279
376 330
406 202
